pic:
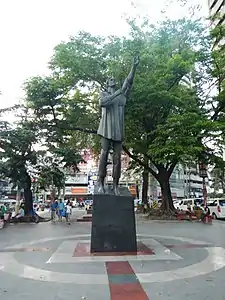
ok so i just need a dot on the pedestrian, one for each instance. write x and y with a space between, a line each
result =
68 212
205 213
61 208
53 207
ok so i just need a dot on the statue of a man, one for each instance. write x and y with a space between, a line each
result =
111 127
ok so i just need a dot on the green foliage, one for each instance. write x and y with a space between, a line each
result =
69 159
217 68
167 118
218 175
18 157
52 168
17 152
50 175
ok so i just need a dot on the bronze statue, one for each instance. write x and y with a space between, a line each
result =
111 127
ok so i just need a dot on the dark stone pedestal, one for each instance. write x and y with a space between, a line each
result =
113 223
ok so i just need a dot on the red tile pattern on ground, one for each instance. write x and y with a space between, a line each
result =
128 290
118 267
83 249
144 250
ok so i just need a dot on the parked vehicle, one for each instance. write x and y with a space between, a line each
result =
191 202
217 208
136 202
8 201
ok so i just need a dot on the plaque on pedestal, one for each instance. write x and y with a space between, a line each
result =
113 222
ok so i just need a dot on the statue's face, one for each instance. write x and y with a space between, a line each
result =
111 82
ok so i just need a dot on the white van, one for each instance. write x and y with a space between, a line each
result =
192 202
8 201
217 207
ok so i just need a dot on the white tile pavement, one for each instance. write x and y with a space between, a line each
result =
64 253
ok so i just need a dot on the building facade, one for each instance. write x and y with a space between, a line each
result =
217 7
217 10
185 182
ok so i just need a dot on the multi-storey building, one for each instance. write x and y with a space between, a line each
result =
185 182
217 10
217 7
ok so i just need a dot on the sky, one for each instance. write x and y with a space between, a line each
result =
30 29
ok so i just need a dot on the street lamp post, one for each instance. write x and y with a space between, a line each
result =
203 175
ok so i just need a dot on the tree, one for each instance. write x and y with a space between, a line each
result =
166 110
217 72
52 169
51 176
216 103
17 156
218 175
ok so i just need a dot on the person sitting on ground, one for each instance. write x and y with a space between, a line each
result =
34 215
189 211
20 214
3 210
205 213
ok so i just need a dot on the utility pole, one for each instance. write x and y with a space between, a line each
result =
203 174
189 181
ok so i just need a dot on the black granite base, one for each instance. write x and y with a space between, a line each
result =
113 223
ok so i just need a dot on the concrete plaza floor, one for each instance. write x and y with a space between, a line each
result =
52 261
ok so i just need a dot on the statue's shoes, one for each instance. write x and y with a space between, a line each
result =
116 191
101 190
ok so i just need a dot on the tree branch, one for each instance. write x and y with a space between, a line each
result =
139 161
86 130
171 168
175 82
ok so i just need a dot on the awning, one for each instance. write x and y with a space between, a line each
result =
79 190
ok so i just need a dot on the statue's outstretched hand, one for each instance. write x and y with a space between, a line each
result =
136 60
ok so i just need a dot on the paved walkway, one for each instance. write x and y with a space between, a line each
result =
76 212
52 261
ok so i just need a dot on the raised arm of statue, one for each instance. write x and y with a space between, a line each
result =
130 78
107 100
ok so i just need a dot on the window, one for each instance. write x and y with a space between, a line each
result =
186 202
222 202
214 203
198 201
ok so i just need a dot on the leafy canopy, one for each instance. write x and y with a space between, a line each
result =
167 120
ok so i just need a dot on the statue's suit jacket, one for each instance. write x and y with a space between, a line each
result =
112 119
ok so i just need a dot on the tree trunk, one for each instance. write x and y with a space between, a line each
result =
27 194
145 178
52 194
64 192
222 184
18 196
137 190
58 193
167 201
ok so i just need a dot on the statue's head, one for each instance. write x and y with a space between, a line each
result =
111 82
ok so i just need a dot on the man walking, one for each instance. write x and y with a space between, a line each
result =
61 208
54 207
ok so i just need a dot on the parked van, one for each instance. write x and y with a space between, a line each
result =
192 202
8 201
217 207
